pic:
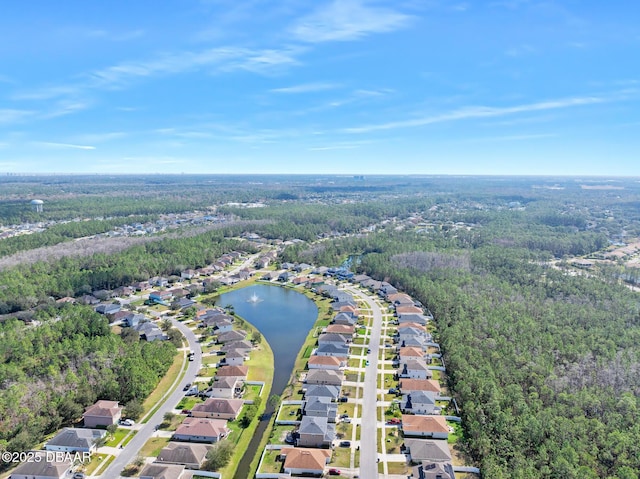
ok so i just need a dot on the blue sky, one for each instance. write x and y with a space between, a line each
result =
346 86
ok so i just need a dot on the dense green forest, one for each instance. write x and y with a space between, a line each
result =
25 286
50 373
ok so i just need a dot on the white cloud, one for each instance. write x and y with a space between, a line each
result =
99 137
64 145
344 20
473 112
306 88
9 115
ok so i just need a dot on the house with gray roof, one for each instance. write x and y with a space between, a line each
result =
322 390
433 470
412 318
420 450
325 376
162 471
414 369
334 338
237 345
231 336
187 454
319 406
150 331
332 350
419 402
315 432
75 440
132 319
344 317
42 467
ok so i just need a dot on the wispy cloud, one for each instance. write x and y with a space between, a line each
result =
344 20
306 88
99 137
473 112
523 137
65 107
49 144
9 115
520 51
213 59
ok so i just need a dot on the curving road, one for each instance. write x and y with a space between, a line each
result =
131 450
369 425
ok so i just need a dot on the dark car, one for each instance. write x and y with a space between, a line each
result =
343 399
345 443
334 472
186 411
186 387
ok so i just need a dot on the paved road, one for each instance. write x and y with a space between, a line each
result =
368 429
132 449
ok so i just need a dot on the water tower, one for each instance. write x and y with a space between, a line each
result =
36 205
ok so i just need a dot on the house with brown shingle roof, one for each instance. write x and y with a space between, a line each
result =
102 413
301 460
340 329
432 427
189 455
408 310
326 362
410 385
194 429
218 408
233 371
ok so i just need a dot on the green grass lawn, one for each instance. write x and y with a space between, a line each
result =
97 460
354 362
270 464
188 402
346 408
341 457
153 446
399 468
289 412
117 437
165 383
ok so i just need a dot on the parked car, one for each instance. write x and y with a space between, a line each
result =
343 399
393 391
186 387
186 411
366 363
344 416
394 420
334 472
79 475
126 422
368 350
345 443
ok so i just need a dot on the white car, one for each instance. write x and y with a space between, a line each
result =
126 422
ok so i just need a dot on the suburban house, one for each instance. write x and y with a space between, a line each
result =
432 427
315 432
221 325
408 310
400 299
386 289
340 329
320 407
195 429
237 345
218 408
326 362
102 414
345 318
88 299
421 341
189 455
285 276
332 350
182 303
303 461
123 291
334 338
161 297
75 440
360 278
132 319
415 369
409 352
410 385
419 402
141 285
161 471
42 468
239 372
189 274
371 284
420 450
325 376
107 308
234 358
231 336
225 387
413 318
322 390
340 305
150 331
433 470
